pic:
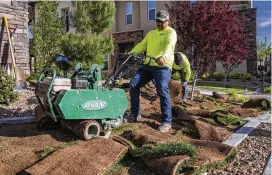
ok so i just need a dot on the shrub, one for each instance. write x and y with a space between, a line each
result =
33 76
206 75
218 76
249 76
267 90
238 75
6 88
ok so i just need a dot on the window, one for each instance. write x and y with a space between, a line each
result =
128 13
151 10
106 62
65 18
30 33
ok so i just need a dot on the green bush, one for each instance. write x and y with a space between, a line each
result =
268 90
238 75
218 75
249 76
206 75
6 88
33 76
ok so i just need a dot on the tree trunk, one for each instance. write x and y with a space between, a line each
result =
225 80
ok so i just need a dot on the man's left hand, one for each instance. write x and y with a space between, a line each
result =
161 61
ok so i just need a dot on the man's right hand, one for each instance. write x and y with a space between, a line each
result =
161 61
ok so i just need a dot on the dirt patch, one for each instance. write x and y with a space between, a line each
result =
199 112
166 165
257 103
196 128
243 112
175 89
146 134
22 144
89 157
209 152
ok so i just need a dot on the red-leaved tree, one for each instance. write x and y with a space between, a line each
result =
231 50
214 32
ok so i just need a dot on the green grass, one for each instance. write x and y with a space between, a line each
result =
169 149
49 150
124 127
219 87
226 119
268 90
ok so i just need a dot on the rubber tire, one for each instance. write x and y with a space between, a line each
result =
82 129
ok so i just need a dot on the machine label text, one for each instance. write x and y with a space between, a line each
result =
94 105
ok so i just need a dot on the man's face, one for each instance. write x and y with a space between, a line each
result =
162 25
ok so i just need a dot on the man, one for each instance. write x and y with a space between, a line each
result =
182 70
159 44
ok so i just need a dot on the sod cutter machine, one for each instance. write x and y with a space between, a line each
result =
83 103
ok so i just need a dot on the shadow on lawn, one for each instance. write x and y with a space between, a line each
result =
30 129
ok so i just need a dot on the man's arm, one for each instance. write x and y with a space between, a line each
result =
170 42
141 47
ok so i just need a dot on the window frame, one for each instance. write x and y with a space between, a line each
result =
126 14
148 9
107 61
65 12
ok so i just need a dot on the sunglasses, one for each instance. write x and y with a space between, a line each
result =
159 21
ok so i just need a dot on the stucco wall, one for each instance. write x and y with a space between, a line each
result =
139 16
242 68
121 16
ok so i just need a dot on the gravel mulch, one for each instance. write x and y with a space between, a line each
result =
23 107
253 153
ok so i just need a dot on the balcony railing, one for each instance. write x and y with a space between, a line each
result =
239 7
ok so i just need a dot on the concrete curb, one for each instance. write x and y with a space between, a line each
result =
265 117
15 120
267 169
237 137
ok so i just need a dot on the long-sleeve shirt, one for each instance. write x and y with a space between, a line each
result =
184 66
158 43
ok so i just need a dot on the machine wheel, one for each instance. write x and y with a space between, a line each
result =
87 129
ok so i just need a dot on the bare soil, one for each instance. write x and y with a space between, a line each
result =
21 145
89 157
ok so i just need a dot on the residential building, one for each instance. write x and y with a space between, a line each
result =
134 19
17 16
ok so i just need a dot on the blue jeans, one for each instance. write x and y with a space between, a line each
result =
161 77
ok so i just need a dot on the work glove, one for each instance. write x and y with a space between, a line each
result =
134 55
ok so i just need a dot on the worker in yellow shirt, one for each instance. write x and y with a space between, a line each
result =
181 70
159 44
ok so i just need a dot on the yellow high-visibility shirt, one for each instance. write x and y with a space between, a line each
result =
185 65
158 43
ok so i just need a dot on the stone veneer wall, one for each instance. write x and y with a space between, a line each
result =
17 15
251 30
124 37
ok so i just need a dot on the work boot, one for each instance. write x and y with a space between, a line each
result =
132 118
164 127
